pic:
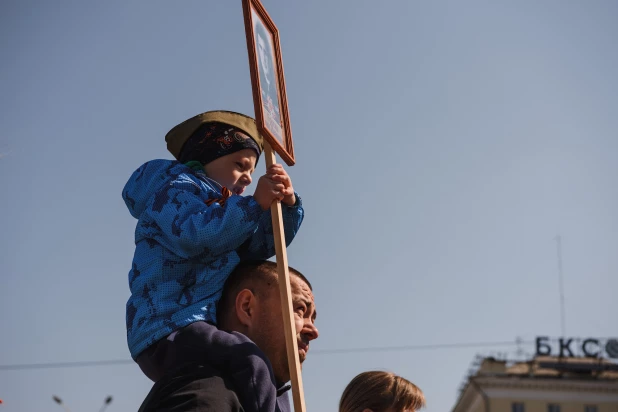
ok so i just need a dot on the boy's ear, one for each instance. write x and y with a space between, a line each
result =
245 304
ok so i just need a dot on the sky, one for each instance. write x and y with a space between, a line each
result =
441 147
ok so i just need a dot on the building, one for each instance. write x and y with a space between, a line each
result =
543 384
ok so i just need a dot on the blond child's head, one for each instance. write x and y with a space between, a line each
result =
377 391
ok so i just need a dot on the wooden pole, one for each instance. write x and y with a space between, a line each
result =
285 291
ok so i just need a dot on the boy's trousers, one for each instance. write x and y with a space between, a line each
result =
233 354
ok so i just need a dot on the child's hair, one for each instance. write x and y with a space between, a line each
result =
381 391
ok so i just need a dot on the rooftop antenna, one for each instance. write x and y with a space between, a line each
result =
561 285
520 351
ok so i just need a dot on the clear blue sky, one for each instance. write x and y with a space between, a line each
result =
440 149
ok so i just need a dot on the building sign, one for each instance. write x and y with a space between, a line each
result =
574 347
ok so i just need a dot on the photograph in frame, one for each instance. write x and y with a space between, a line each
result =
267 80
269 84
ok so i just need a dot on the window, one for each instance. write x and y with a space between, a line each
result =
517 407
590 408
552 407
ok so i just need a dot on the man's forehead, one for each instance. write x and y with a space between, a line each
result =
299 287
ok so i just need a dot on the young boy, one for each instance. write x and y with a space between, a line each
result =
193 228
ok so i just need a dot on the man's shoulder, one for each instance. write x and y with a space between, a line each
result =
192 388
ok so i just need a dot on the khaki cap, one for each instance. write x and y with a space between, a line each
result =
177 137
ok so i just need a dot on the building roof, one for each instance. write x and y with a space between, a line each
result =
540 372
551 367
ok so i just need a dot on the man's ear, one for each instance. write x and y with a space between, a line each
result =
245 307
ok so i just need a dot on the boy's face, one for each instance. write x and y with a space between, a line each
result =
234 170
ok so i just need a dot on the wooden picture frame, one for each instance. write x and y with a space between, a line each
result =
267 80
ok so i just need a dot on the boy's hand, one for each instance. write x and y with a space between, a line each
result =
274 185
279 175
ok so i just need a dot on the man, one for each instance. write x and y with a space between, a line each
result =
250 305
270 95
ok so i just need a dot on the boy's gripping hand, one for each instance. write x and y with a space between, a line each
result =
274 185
279 175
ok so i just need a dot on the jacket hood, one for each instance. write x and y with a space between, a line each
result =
146 181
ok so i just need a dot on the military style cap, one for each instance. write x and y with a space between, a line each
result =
178 136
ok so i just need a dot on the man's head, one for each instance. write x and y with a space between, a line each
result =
263 46
251 304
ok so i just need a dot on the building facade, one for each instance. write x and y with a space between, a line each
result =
543 384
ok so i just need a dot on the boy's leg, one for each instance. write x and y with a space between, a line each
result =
157 359
236 356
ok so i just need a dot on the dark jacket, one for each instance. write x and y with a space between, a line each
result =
202 388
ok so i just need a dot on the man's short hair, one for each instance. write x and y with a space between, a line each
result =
253 275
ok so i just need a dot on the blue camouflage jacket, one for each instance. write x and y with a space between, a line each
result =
185 250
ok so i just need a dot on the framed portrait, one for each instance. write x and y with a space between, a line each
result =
267 80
